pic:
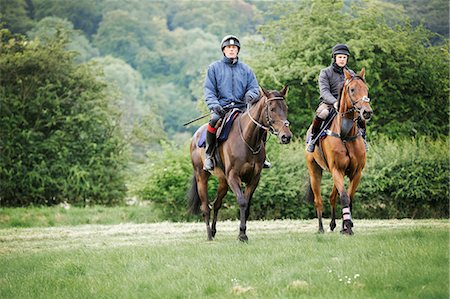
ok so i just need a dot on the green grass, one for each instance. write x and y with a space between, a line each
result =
283 259
68 216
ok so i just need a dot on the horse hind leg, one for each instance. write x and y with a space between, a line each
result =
222 190
333 197
202 187
315 173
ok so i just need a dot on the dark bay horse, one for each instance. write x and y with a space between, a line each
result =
342 152
242 156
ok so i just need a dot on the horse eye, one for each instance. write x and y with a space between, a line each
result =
352 90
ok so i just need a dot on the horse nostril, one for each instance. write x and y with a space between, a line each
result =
285 139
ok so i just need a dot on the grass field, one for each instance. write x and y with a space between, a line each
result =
283 259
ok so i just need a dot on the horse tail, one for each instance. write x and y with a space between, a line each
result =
309 192
193 198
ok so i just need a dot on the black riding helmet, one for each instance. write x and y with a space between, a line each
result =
230 40
340 49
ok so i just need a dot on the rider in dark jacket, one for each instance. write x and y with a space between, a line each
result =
229 83
331 80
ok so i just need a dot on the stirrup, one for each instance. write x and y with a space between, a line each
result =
310 147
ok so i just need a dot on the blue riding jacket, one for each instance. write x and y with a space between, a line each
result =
230 81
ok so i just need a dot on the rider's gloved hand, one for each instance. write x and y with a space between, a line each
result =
335 105
219 110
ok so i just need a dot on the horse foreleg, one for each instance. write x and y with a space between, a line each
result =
235 185
353 185
249 191
347 224
221 192
202 185
333 196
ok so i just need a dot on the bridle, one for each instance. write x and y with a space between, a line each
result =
354 108
270 122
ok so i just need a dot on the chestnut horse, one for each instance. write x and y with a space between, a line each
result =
241 158
342 152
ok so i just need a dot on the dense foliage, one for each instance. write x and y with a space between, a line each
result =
403 178
59 141
407 76
63 142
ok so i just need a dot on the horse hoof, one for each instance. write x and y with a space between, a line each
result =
243 238
321 231
347 231
332 226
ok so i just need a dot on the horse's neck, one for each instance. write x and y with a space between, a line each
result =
345 117
251 132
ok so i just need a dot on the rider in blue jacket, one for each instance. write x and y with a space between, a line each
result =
229 83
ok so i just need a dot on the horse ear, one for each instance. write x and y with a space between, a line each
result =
361 73
347 74
285 90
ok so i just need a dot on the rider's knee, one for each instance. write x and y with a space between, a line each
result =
323 114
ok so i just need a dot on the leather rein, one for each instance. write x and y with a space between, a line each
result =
268 128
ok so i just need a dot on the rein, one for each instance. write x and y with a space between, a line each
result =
261 126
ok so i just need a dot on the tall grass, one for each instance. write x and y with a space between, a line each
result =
283 259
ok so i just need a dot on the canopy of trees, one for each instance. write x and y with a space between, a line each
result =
407 76
85 78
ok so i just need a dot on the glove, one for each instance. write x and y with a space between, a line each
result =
218 109
335 105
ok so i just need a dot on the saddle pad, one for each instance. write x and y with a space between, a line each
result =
226 128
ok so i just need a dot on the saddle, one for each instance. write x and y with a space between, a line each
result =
224 129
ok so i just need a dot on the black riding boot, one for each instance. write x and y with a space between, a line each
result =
317 123
210 143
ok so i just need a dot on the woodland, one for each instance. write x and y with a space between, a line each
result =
94 94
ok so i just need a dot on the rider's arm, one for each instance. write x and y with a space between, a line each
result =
210 90
325 89
252 92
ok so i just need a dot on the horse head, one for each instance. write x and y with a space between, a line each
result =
275 113
357 95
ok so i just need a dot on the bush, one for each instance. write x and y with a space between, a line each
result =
58 138
405 178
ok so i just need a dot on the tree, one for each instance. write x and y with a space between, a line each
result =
49 27
58 138
407 76
17 15
83 14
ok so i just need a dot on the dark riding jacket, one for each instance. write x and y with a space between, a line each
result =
230 81
331 80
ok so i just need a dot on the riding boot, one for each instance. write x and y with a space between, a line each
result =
362 130
210 143
317 123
